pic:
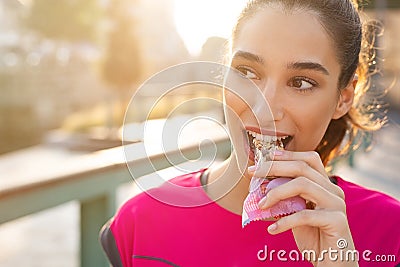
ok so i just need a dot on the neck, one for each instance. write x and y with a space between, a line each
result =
228 186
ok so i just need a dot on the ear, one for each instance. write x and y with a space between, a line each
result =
346 98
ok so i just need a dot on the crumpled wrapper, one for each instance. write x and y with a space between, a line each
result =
259 188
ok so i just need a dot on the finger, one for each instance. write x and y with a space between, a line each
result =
328 221
306 189
294 169
260 170
312 158
290 169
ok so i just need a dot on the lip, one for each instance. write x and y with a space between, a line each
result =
248 150
251 155
266 131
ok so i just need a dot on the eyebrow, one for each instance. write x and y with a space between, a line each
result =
248 56
308 66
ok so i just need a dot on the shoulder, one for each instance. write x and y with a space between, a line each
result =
364 204
183 190
152 212
362 197
373 217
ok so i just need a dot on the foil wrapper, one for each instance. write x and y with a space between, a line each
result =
259 188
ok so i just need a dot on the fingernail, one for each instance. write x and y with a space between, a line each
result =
262 202
272 227
278 152
251 168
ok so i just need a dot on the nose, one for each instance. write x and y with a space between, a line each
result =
269 109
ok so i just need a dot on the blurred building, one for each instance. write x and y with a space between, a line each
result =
162 46
42 80
391 54
214 49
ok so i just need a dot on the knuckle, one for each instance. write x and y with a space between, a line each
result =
302 184
305 215
302 181
340 204
290 154
340 193
302 166
271 194
340 216
314 156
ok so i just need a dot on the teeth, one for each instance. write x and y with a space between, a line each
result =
266 138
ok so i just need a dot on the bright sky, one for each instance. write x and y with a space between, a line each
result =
196 20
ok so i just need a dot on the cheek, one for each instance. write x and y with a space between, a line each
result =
237 108
312 122
234 109
316 126
234 103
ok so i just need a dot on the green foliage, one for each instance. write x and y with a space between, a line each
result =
371 4
122 63
70 20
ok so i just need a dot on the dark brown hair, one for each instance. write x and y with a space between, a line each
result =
354 43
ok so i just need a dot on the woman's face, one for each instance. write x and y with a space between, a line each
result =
291 59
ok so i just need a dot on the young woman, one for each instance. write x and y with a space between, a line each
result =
309 58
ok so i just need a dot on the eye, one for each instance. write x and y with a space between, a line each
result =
302 83
247 72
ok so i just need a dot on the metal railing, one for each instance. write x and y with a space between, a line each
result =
94 183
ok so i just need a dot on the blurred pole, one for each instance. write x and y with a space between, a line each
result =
380 12
381 15
380 9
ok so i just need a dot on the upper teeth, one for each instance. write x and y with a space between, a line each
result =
267 138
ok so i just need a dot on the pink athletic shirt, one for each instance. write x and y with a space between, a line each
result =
147 232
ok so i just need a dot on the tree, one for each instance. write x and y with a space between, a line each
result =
68 20
122 64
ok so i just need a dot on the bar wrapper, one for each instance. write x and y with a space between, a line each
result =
259 188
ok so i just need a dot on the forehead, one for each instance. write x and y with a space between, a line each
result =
286 36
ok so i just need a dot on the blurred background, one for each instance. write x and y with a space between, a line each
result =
68 69
73 65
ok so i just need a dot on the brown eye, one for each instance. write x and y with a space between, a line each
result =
297 83
248 73
302 83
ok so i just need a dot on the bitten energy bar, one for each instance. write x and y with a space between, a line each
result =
259 188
